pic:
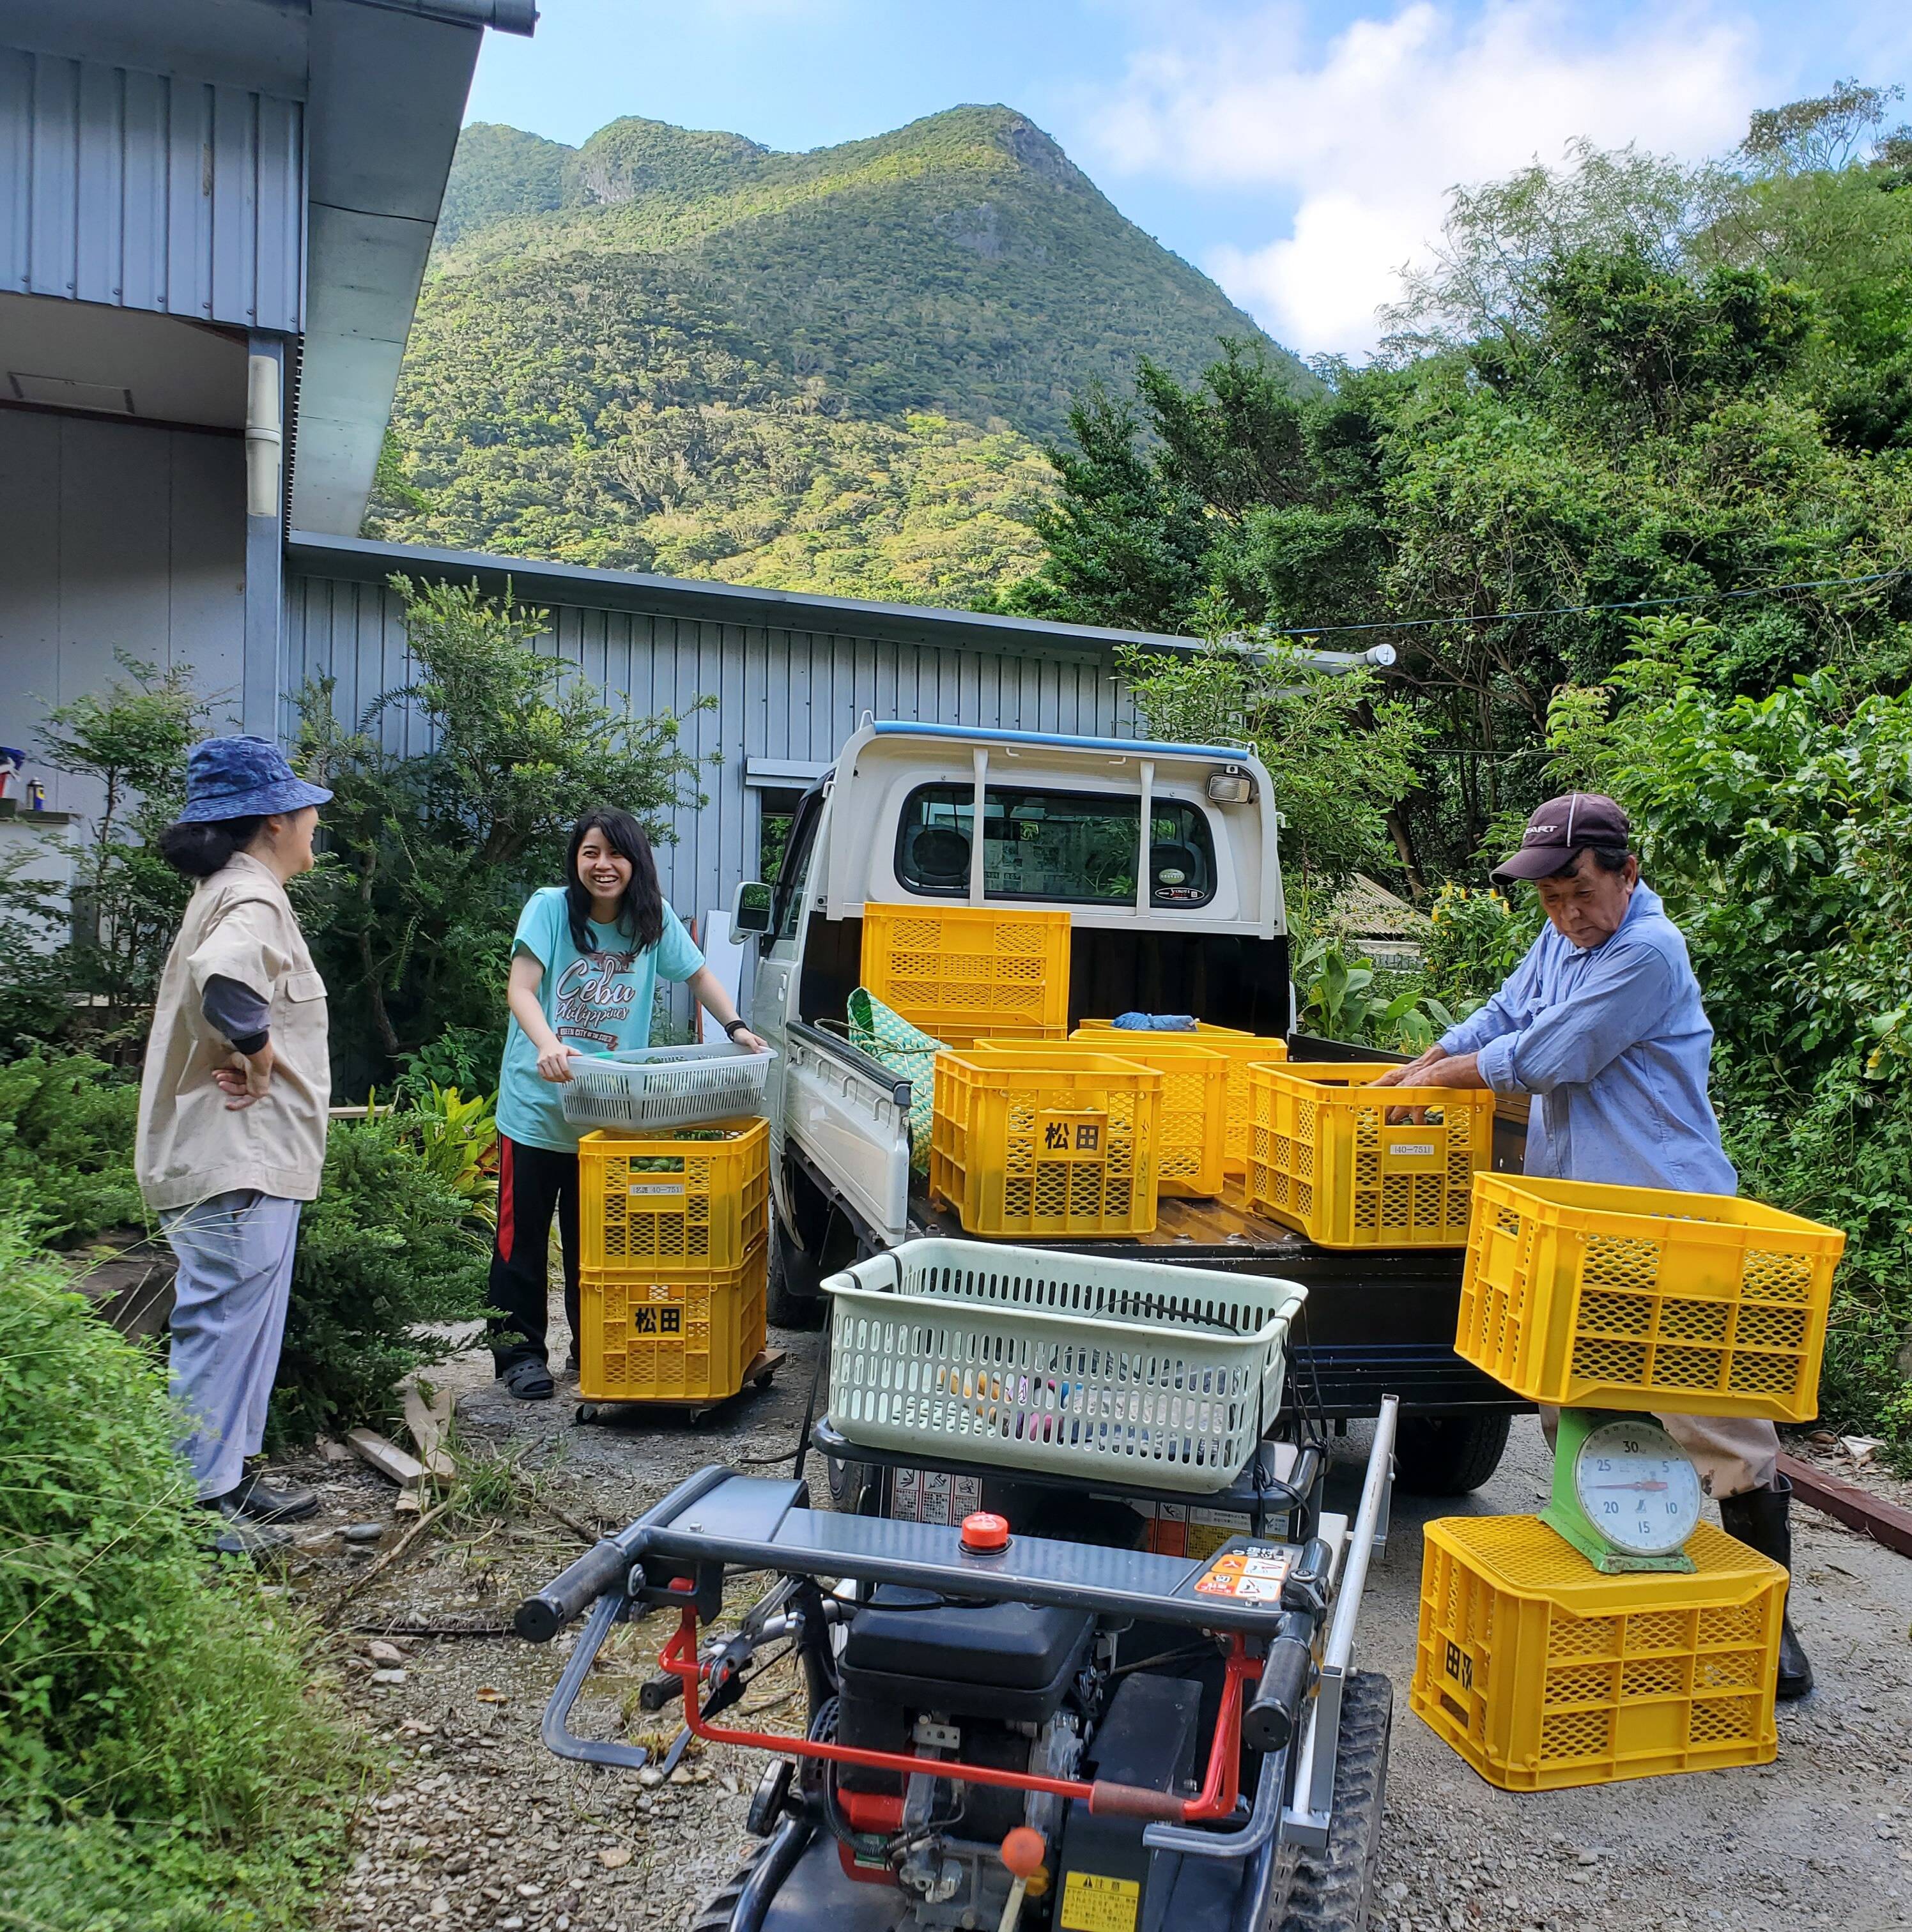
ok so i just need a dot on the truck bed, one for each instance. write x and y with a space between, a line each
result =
1376 1322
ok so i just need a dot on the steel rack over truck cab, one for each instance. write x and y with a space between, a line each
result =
1165 857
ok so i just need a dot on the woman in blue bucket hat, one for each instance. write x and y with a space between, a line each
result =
232 1111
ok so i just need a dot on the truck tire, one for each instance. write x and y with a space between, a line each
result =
792 1298
848 1482
1449 1455
1333 1887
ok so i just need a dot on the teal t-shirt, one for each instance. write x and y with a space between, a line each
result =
596 1001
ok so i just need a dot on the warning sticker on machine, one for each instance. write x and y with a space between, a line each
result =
932 1496
1179 1529
1093 1903
1253 1575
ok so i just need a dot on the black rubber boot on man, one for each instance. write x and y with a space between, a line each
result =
1758 1518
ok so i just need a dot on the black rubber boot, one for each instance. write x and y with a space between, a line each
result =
241 1535
275 1502
1758 1518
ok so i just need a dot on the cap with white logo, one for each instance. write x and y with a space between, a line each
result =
1561 828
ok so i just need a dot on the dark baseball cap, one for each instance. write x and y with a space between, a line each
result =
1562 827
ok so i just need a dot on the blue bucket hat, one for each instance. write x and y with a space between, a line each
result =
243 778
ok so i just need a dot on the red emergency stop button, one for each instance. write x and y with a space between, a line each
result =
984 1533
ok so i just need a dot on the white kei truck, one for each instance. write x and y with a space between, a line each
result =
1165 857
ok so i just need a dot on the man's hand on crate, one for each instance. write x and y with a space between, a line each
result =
1434 1068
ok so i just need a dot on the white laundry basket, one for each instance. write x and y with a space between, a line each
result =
650 1087
1020 1358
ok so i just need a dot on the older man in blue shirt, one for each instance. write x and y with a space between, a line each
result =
1601 1024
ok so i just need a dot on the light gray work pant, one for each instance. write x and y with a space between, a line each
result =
1732 1453
229 1317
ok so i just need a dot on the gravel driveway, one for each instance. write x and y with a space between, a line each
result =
479 1826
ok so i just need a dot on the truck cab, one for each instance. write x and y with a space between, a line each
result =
1165 857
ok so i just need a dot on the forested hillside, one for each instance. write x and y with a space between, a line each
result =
1630 496
679 351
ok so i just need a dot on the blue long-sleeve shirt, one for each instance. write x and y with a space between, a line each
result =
1613 1044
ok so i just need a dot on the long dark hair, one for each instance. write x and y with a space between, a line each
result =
641 912
200 846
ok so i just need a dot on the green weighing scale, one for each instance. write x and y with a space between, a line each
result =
1625 1495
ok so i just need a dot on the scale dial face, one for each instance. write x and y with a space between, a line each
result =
1637 1489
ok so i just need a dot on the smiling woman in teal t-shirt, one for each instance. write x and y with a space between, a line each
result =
586 961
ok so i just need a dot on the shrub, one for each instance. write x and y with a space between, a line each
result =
66 1146
160 1755
390 1245
428 855
132 741
1477 938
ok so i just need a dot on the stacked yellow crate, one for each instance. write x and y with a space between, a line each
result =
1541 1668
674 1247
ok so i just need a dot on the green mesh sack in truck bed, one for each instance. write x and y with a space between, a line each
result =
908 1052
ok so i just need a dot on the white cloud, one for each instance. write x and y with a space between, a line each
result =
1365 136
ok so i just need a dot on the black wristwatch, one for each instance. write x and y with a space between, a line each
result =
733 1027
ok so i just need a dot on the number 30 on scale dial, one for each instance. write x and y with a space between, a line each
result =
1637 1488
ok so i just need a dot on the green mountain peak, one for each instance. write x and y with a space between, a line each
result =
677 349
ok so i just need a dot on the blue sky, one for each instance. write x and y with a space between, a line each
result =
1298 152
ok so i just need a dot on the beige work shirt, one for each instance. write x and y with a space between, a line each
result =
238 924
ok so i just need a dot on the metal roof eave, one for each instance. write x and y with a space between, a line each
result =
387 81
699 600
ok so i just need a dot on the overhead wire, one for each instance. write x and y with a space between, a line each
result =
1583 610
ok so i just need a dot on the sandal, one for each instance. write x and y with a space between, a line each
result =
529 1379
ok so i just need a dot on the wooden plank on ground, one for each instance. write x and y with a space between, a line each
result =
386 1457
1883 1522
428 1421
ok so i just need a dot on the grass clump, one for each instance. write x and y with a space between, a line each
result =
165 1763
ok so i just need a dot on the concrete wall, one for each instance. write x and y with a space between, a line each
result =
786 698
114 536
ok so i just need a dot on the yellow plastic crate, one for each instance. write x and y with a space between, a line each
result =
963 972
680 1202
1190 1145
1034 1142
1322 1157
670 1341
1639 1297
1241 1050
1543 1673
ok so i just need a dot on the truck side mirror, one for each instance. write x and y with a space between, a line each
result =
751 910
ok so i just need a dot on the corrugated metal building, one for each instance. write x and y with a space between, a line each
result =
214 217
792 675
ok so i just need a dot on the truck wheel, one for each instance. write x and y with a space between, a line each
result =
792 1298
1333 1887
848 1481
1449 1455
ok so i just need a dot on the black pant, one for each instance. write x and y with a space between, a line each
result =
532 1181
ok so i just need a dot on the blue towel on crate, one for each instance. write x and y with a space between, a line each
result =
1156 1022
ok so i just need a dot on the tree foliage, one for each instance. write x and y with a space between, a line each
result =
430 852
1630 494
131 741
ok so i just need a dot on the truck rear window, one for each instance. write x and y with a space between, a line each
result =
1075 848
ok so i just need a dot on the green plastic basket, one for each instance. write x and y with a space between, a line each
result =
908 1052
